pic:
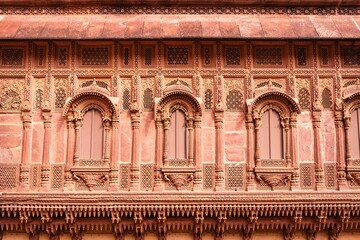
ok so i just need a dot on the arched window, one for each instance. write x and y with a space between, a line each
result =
177 136
271 136
355 134
92 133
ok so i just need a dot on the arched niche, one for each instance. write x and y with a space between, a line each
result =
351 114
178 105
88 108
279 170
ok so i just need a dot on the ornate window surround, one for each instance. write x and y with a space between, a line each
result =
85 99
179 97
276 172
351 103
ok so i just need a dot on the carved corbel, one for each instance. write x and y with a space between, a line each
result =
24 218
273 180
334 233
162 228
34 235
54 236
311 234
289 233
220 226
69 217
248 233
115 217
139 226
297 218
199 225
90 178
45 217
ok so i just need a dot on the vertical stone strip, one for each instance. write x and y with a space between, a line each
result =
135 122
69 184
114 159
316 121
295 180
45 167
219 136
197 153
158 186
26 145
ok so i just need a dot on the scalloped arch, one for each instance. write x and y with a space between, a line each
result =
83 99
285 102
180 95
351 102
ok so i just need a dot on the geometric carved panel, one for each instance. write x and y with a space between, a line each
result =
9 176
35 176
12 57
234 176
209 176
178 55
57 176
307 175
11 94
146 177
124 171
330 175
95 56
268 56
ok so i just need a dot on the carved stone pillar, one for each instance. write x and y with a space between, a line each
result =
250 181
347 122
294 153
158 184
114 160
69 184
107 126
45 167
78 125
166 139
287 143
319 166
197 154
135 156
219 149
257 142
340 154
190 156
26 145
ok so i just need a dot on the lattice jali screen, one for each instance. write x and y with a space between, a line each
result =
95 56
61 92
146 177
234 89
35 176
126 86
124 179
351 56
9 176
11 94
232 56
57 177
12 56
39 93
303 92
147 85
268 56
301 56
208 175
178 55
307 175
330 175
324 56
234 176
208 93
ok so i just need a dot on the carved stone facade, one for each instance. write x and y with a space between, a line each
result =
221 187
